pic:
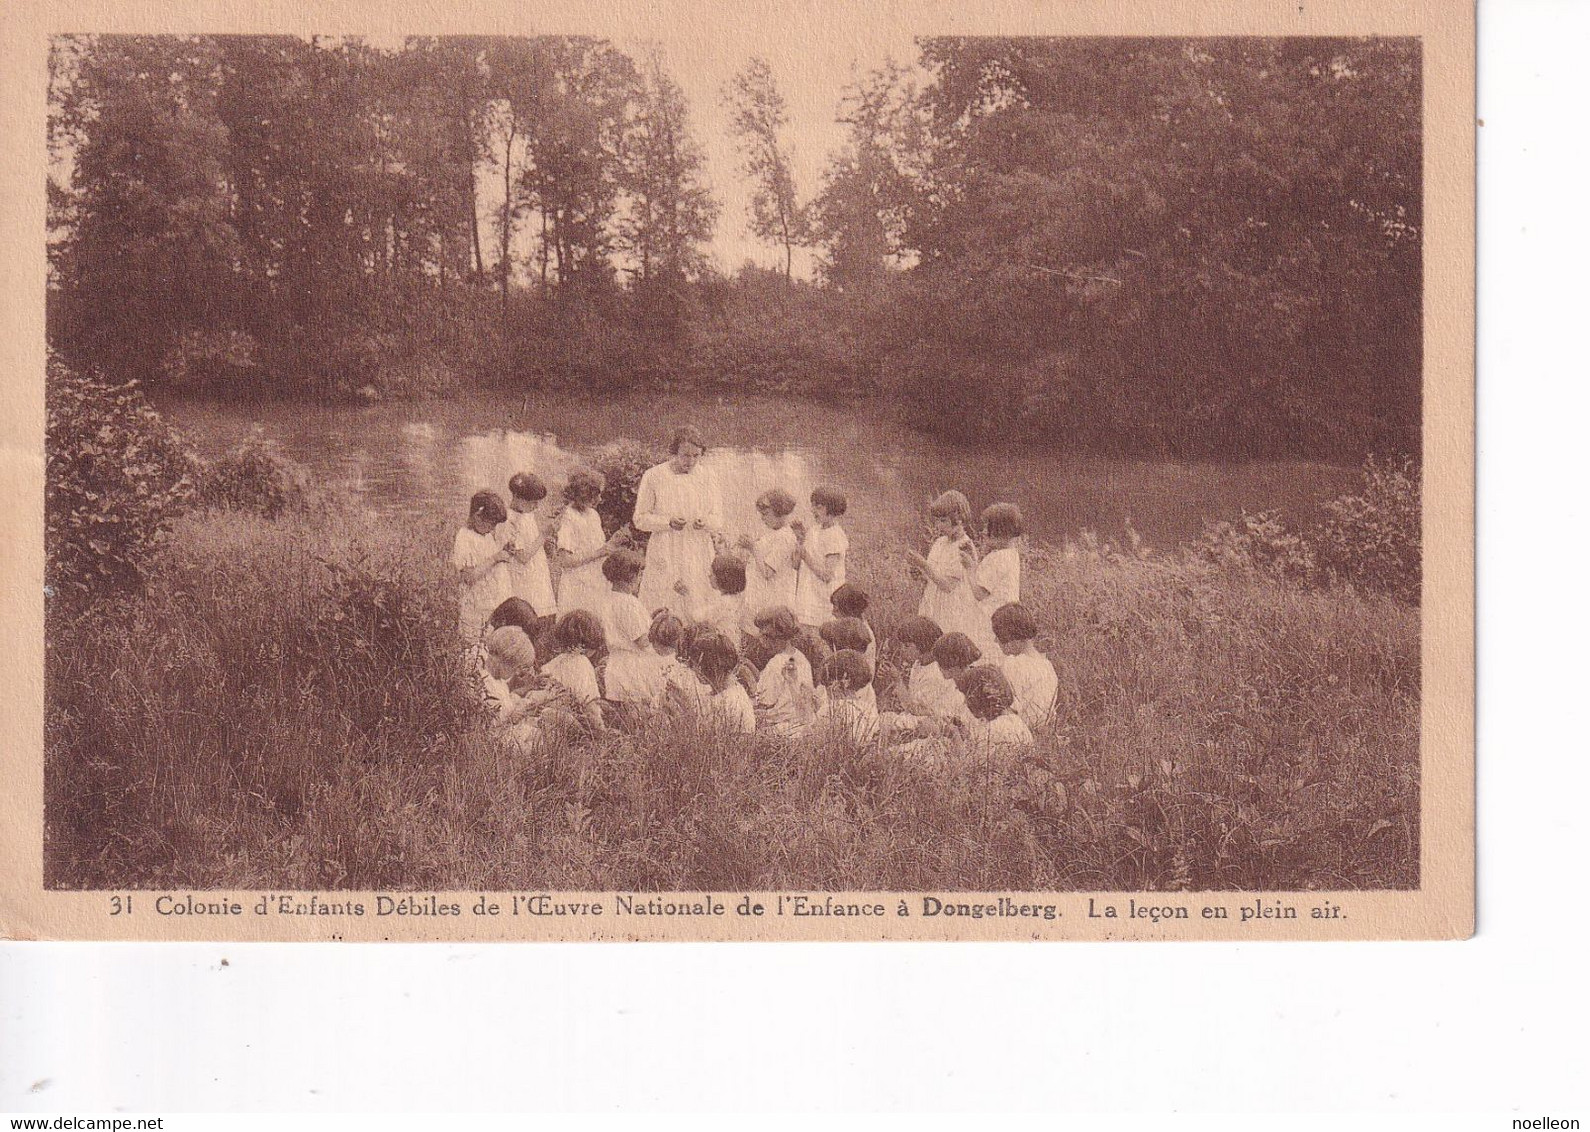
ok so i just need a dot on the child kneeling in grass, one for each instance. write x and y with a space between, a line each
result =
848 703
577 637
992 725
727 703
1032 675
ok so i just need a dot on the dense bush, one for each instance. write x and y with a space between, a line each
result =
1373 537
622 463
116 477
255 477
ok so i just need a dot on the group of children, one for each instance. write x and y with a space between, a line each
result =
779 641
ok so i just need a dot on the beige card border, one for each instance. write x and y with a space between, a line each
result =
1442 908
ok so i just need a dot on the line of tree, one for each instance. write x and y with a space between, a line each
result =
1194 246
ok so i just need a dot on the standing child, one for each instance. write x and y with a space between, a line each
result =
634 674
822 557
529 576
1032 676
582 546
996 581
775 554
481 564
784 688
947 599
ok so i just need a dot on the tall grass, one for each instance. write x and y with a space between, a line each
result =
285 707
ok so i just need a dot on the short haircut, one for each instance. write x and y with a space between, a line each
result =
812 647
987 690
776 500
848 668
955 650
952 505
665 629
585 485
716 658
1014 622
488 505
579 628
511 645
528 486
846 633
830 499
728 574
518 612
622 566
778 623
686 434
850 600
923 632
1003 520
690 638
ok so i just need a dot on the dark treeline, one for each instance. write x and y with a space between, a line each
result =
1187 246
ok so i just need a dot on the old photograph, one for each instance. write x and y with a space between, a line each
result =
561 464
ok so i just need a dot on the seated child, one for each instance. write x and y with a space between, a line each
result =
578 636
850 634
723 606
677 675
784 686
633 676
850 600
518 613
1032 676
953 654
992 723
844 677
727 703
510 684
481 565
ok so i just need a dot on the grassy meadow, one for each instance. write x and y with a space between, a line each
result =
284 707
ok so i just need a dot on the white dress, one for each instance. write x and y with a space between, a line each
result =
672 556
1033 678
575 674
530 580
478 600
954 610
634 672
1000 575
812 607
777 549
582 587
779 696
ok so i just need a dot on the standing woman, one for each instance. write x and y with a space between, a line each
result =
678 503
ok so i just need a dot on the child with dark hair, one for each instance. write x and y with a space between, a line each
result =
850 634
996 581
1032 675
846 679
529 576
582 545
774 554
990 704
727 703
481 563
823 551
784 688
723 605
666 635
850 600
633 676
517 612
577 637
952 654
947 596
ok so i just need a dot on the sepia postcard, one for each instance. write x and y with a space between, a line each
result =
701 471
